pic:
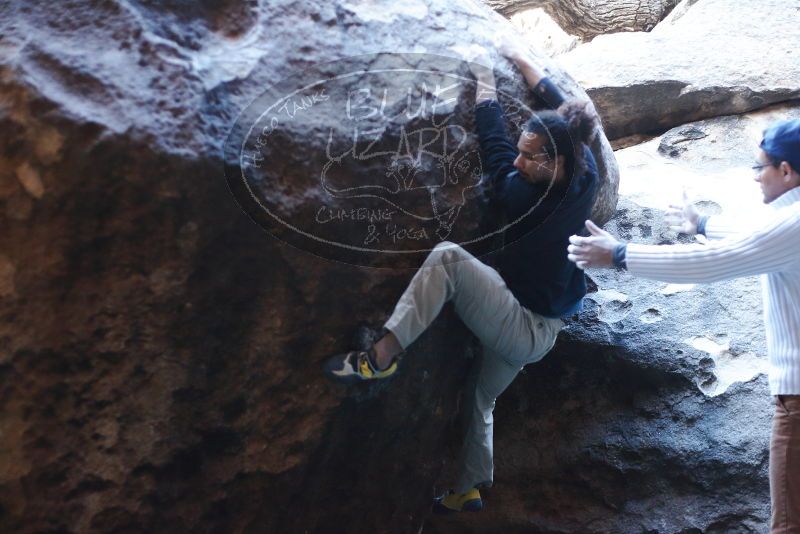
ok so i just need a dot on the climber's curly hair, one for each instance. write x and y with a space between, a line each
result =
566 130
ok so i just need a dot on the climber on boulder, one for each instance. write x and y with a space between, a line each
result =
741 247
547 183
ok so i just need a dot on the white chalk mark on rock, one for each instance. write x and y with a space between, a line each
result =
729 368
613 306
388 12
651 316
671 289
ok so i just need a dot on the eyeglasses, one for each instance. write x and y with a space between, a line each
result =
758 166
532 157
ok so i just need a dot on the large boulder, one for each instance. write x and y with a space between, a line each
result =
652 414
543 33
716 57
159 353
588 18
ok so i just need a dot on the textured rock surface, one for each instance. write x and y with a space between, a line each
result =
718 57
711 159
159 353
589 18
653 412
543 32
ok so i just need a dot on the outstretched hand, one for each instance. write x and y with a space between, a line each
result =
511 46
597 250
683 218
477 56
480 64
516 50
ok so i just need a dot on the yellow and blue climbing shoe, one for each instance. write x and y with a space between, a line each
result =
452 502
356 366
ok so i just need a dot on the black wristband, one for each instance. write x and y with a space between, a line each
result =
619 256
548 94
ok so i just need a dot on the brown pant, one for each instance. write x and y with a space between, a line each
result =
784 465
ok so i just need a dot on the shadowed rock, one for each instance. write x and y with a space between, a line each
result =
653 412
160 353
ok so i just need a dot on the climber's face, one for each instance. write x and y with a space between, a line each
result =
774 178
533 162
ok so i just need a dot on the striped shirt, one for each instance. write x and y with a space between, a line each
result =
771 249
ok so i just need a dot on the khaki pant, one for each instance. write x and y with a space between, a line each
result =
784 465
512 336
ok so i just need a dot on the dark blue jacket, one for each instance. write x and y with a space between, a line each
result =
534 261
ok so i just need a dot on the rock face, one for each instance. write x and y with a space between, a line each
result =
390 164
718 57
159 352
711 159
588 19
543 32
653 412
